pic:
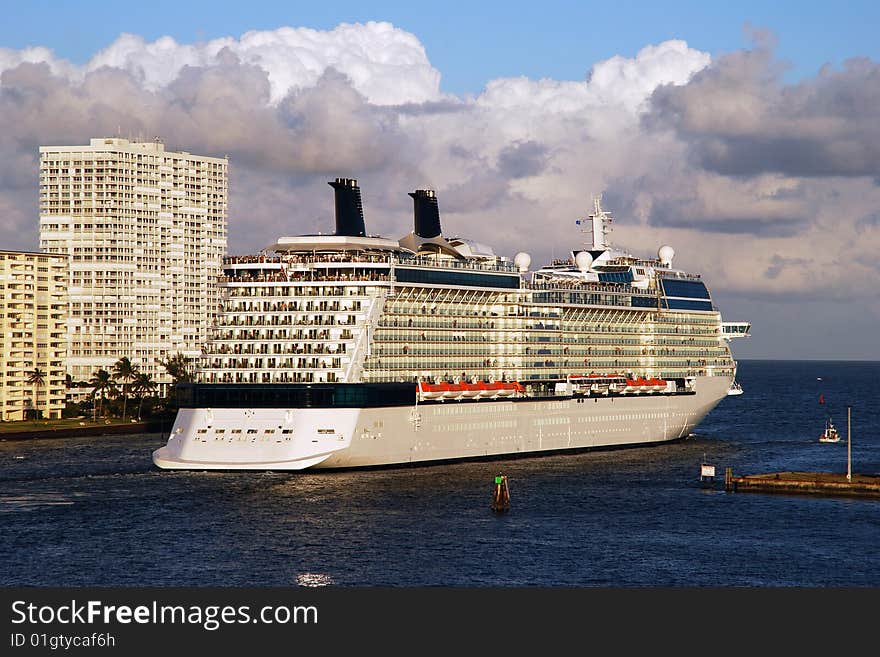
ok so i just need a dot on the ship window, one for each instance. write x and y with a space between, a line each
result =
616 277
689 289
326 431
219 430
287 431
236 431
688 304
269 431
202 431
252 431
455 278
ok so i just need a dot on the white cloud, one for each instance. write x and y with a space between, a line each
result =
619 81
387 65
614 84
12 58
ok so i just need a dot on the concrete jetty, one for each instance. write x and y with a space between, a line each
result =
812 483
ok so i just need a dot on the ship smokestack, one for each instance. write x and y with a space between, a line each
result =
349 208
426 213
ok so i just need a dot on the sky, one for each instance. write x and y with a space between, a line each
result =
746 135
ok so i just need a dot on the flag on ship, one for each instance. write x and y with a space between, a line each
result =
821 398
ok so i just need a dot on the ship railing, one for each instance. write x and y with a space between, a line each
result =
681 275
340 258
250 259
354 257
476 265
591 286
301 276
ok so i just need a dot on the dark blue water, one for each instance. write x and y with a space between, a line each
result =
95 512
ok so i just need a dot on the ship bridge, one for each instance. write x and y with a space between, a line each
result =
735 329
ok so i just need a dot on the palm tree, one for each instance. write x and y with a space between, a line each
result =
179 368
143 383
102 381
124 372
36 378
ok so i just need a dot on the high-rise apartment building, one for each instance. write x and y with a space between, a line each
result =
145 230
33 334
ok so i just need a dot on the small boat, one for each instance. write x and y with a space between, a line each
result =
735 388
830 434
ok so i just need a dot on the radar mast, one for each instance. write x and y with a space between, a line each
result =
601 225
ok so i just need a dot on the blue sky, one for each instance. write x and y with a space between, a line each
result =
473 42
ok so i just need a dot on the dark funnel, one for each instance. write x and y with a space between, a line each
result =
426 212
349 209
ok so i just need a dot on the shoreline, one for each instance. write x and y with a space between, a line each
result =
152 426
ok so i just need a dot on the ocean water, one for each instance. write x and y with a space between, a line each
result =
96 512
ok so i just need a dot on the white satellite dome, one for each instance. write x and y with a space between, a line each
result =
665 254
522 260
583 260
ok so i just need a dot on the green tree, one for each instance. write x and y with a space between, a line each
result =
37 379
179 368
143 384
124 372
102 382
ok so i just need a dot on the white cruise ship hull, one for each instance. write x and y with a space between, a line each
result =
296 439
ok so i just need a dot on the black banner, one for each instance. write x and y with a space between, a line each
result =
172 621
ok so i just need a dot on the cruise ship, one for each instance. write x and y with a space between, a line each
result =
349 350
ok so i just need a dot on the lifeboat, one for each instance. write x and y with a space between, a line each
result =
602 384
480 389
637 386
470 390
579 384
494 389
451 390
485 389
506 389
432 390
658 385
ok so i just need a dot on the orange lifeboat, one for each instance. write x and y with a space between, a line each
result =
508 389
470 390
451 390
484 389
658 385
432 390
481 389
636 385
